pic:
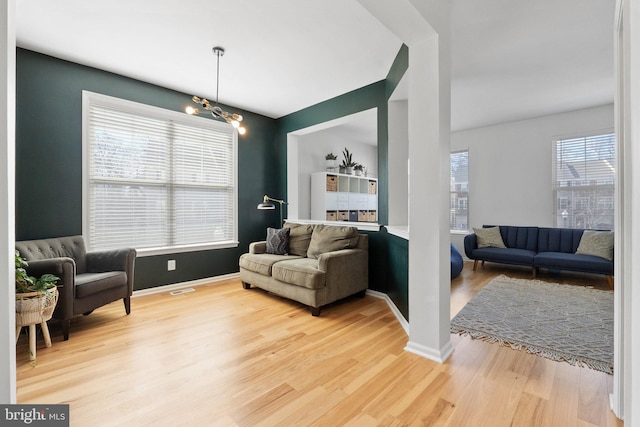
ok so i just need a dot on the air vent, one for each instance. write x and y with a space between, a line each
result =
182 291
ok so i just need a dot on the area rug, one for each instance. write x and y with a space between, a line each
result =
566 323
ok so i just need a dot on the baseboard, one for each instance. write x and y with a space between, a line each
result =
175 286
439 356
403 322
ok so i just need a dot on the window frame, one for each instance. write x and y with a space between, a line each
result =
556 201
91 98
456 191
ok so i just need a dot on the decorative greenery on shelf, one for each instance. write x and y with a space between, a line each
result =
26 283
358 167
330 156
348 162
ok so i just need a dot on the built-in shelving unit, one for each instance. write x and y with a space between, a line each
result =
340 197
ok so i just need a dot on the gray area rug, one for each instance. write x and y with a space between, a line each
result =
565 323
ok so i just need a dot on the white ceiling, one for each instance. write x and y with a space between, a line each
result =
511 59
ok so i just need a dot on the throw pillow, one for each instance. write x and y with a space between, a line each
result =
329 238
299 238
489 237
277 241
597 243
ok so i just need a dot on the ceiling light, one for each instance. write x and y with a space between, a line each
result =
218 113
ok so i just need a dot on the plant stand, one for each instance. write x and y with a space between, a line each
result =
35 308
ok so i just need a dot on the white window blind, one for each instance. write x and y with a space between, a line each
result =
583 182
459 178
156 178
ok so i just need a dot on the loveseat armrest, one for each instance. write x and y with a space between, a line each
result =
113 260
344 263
258 247
470 243
65 269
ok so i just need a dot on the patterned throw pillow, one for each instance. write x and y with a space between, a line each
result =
597 243
489 237
277 241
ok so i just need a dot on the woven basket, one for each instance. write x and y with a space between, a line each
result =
35 307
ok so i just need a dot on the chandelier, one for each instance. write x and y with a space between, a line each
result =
215 110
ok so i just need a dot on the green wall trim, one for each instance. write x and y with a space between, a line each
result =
398 69
49 162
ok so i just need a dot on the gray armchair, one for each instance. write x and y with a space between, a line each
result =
89 280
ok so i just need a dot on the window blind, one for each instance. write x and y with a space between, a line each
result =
156 178
584 182
459 179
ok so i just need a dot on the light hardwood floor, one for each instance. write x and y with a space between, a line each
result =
227 356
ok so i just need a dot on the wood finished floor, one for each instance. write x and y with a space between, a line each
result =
227 356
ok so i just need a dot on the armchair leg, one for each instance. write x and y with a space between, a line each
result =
315 311
66 324
246 285
127 304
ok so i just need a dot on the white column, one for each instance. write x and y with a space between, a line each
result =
7 202
424 26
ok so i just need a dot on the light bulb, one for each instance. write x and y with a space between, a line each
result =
191 110
195 99
237 117
242 131
235 124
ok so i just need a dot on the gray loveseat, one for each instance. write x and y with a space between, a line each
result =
542 247
88 280
323 264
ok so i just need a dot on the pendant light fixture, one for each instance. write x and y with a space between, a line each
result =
215 110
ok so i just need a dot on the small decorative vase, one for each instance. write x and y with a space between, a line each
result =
349 170
358 172
331 165
341 170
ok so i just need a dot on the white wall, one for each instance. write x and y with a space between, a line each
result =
510 165
312 149
398 156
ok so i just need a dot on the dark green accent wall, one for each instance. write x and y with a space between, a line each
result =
49 165
49 162
388 255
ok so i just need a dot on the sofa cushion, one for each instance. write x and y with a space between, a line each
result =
262 263
520 237
277 241
329 238
302 272
489 237
559 239
505 255
577 262
596 243
299 238
92 283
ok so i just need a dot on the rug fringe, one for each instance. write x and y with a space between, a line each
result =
539 351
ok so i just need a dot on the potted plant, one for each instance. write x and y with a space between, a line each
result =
347 162
358 168
331 161
35 298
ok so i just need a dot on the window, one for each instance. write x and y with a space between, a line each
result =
155 178
583 182
459 170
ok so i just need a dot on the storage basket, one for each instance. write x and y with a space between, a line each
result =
332 183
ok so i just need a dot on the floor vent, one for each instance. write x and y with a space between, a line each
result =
182 291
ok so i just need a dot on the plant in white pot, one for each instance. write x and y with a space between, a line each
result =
35 298
358 168
331 161
347 161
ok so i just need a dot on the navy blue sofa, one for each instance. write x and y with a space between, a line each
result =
539 247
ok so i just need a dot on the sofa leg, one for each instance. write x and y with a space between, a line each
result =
535 272
127 304
475 264
315 311
246 285
66 325
610 281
